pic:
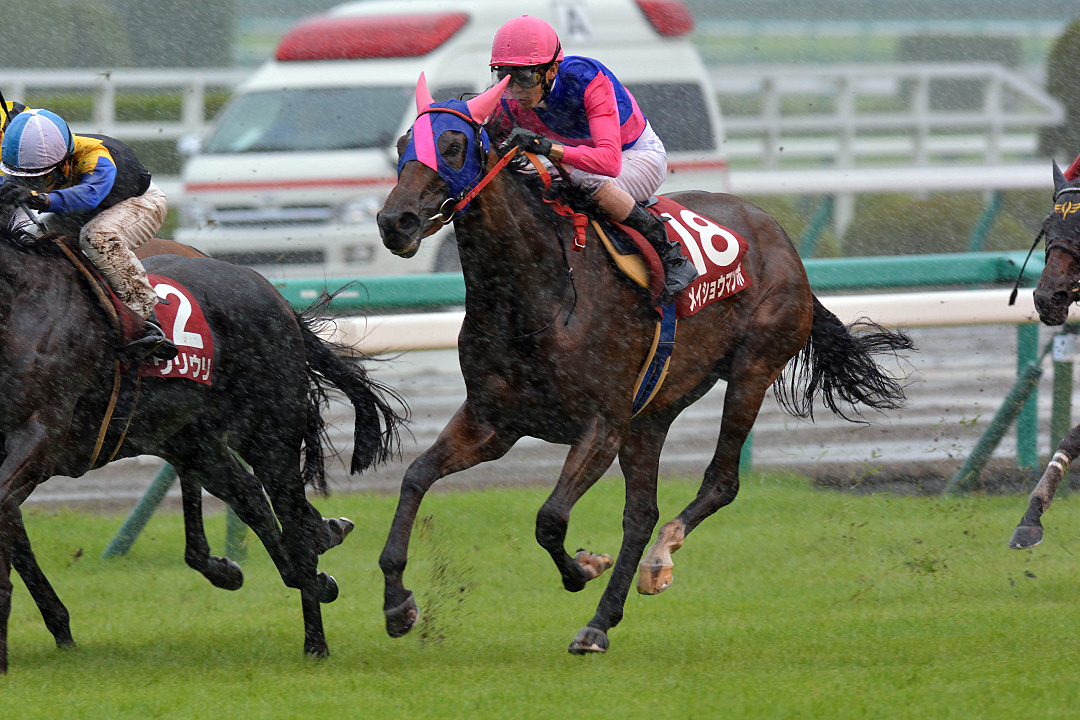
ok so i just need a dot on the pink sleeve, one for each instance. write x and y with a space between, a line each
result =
1073 171
605 156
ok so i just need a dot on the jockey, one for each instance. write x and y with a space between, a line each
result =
94 186
574 110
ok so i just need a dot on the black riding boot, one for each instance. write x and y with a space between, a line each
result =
678 271
154 344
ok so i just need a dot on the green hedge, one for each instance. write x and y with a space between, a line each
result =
903 224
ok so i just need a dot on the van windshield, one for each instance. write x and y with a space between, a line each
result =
311 119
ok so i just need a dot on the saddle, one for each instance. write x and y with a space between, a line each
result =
715 250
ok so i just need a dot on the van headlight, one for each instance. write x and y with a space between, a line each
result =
362 210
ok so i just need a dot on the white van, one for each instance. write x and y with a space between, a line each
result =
297 165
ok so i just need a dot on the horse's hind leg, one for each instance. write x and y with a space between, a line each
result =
277 466
749 380
640 461
220 571
1029 532
586 462
41 590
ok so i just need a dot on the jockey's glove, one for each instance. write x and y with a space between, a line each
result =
17 195
528 141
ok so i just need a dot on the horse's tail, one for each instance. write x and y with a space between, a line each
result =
376 434
839 366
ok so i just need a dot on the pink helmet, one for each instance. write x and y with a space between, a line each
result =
524 42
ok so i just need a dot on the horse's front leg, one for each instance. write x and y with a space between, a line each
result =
466 441
589 457
53 612
25 466
1029 532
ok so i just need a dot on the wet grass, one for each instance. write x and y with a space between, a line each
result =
791 603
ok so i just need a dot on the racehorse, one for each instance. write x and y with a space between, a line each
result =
553 340
1058 289
271 373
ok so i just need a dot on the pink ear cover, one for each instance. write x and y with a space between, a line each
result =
483 105
423 95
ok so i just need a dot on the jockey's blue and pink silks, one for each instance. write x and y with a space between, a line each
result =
588 111
35 142
431 124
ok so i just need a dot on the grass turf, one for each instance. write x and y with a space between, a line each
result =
790 603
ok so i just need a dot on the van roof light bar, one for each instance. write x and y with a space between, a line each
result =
328 37
670 18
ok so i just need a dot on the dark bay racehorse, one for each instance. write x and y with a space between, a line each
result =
272 371
1058 289
553 341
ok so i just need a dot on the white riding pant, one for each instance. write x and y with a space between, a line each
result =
109 238
644 168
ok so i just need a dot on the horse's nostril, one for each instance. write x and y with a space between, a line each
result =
407 224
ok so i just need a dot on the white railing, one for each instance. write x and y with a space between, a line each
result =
849 129
104 85
1014 108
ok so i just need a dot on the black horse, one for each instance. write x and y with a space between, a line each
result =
553 341
57 351
1058 289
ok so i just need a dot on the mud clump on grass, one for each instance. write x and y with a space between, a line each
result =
447 578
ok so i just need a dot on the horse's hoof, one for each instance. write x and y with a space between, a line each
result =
654 578
400 619
224 573
1025 536
594 564
338 529
317 651
328 588
589 640
66 643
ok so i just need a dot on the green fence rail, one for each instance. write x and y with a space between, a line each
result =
418 292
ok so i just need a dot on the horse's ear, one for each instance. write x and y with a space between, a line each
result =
1059 178
423 95
483 105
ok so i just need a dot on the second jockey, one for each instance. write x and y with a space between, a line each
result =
574 110
93 186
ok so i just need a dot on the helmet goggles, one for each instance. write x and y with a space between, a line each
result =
522 77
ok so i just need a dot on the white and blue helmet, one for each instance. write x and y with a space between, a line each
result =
35 143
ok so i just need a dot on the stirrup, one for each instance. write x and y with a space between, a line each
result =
153 345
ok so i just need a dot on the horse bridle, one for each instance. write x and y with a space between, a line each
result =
454 204
1062 244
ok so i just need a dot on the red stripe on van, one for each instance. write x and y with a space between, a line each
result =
388 181
697 165
288 184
